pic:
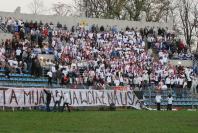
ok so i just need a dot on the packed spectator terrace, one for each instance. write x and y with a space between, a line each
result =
95 57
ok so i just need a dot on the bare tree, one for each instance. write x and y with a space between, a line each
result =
93 8
134 8
36 6
62 9
126 9
188 16
156 9
103 8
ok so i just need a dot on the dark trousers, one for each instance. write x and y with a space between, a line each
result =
47 107
179 90
49 81
55 104
158 106
169 86
7 75
189 84
68 108
169 107
18 57
172 86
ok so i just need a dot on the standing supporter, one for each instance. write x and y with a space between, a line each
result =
168 82
59 75
194 86
158 99
18 54
50 74
7 71
66 102
48 99
170 102
57 100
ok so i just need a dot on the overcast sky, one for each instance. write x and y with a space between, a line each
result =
11 5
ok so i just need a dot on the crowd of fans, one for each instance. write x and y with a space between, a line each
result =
97 55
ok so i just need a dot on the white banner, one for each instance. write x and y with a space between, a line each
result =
29 97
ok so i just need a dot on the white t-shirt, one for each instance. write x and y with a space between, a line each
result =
189 77
18 52
57 97
170 100
177 81
66 97
53 69
158 98
49 74
181 81
135 80
139 80
108 79
172 81
90 35
121 79
13 63
164 87
2 50
168 80
170 71
145 77
65 72
117 82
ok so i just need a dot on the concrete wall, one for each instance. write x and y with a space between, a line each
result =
44 56
185 63
4 36
70 21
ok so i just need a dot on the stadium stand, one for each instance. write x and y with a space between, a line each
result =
96 56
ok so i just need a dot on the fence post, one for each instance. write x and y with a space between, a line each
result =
192 100
43 75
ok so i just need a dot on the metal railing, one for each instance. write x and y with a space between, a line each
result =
3 28
184 98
